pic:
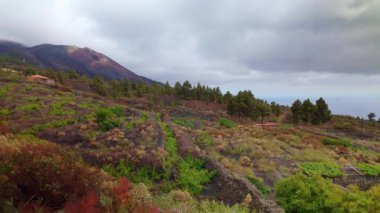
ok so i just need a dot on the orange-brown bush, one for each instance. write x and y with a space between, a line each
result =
45 174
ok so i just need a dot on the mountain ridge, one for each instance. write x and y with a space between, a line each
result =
85 61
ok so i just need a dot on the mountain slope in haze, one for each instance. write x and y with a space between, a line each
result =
62 57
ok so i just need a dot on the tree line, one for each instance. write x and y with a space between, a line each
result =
309 113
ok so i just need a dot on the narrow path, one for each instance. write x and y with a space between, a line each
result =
160 135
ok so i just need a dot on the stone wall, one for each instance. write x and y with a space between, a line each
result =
234 189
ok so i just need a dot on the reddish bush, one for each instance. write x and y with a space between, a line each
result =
85 205
122 192
45 173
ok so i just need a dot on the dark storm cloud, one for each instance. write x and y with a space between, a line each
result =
325 36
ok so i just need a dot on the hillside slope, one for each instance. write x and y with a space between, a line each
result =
63 57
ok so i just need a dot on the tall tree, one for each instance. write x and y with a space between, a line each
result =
296 111
322 113
371 116
308 110
242 104
227 97
262 109
275 108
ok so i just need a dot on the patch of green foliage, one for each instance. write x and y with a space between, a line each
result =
87 105
327 169
4 111
191 172
259 185
32 107
204 140
226 123
340 141
137 174
52 124
184 123
192 175
301 193
369 169
109 118
4 91
143 117
57 109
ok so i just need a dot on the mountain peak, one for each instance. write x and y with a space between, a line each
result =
66 57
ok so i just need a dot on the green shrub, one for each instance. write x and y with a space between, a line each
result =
109 118
259 185
327 169
192 175
226 123
301 193
369 169
340 141
141 174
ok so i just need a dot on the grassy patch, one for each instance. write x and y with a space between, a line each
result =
226 123
184 123
57 109
369 169
340 141
259 185
327 169
4 111
31 107
204 140
143 117
4 90
53 124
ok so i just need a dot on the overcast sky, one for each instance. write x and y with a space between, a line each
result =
278 49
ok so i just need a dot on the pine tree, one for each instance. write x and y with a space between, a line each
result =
296 111
308 110
227 97
322 113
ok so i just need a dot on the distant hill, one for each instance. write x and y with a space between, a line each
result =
63 57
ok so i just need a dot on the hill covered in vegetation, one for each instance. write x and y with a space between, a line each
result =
66 57
92 145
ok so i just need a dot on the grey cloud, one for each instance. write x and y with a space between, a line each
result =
251 44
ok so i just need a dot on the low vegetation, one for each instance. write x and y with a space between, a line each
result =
301 193
369 169
50 135
337 142
109 118
326 169
224 122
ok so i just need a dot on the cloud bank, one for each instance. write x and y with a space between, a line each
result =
289 48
